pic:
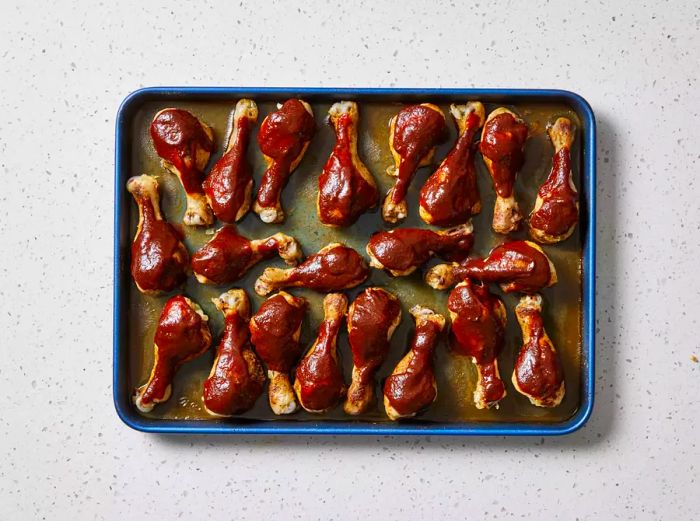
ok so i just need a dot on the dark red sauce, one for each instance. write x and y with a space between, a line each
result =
516 265
450 195
538 369
417 131
273 328
176 136
319 374
373 313
179 338
158 257
478 331
558 212
344 194
503 142
225 258
282 137
414 389
404 248
335 269
233 388
226 184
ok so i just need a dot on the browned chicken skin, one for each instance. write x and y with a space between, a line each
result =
402 250
503 149
159 259
450 196
182 335
478 328
412 386
413 135
346 189
372 320
229 255
284 137
555 214
319 384
184 144
237 378
520 266
229 185
333 268
538 372
275 330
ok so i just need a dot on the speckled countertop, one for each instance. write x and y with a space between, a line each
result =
63 451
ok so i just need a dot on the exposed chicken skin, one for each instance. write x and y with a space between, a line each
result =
346 189
237 377
184 144
159 259
555 214
520 266
402 250
182 335
538 373
284 137
229 255
478 326
412 386
229 185
319 382
372 320
275 331
413 135
503 149
333 268
450 196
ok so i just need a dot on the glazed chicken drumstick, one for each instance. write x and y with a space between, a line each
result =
555 214
158 257
333 268
450 196
229 185
182 335
402 250
519 266
184 144
346 189
237 377
229 255
478 328
275 331
284 137
412 386
319 384
503 149
372 320
413 135
538 373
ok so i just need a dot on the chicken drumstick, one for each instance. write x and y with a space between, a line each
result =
478 327
229 255
413 135
451 196
158 257
372 320
184 144
333 268
182 335
237 377
555 214
275 331
346 189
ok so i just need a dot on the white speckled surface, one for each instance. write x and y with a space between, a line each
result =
63 451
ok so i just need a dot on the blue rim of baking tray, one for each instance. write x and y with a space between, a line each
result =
122 394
